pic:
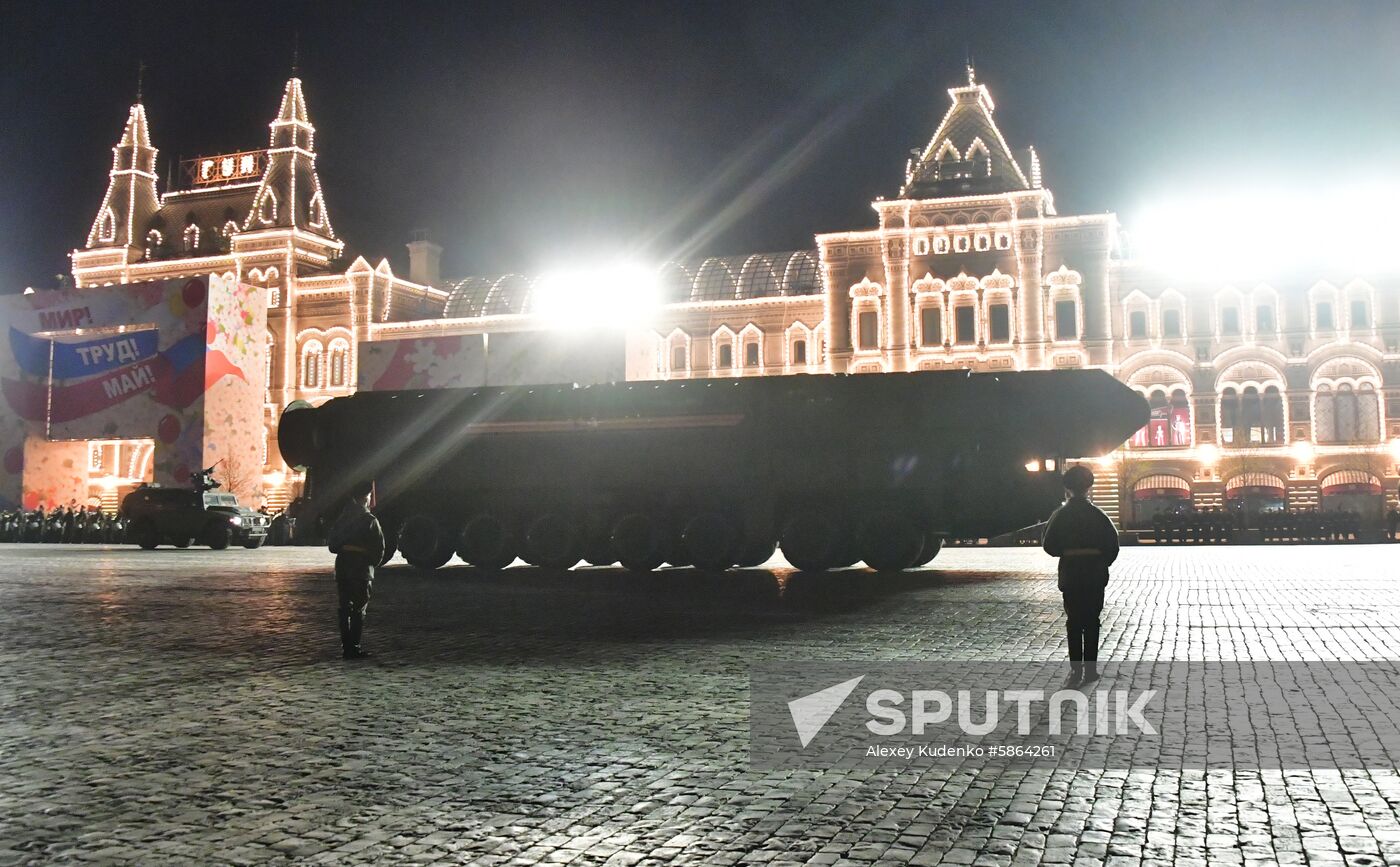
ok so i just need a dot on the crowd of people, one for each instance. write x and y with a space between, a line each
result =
1311 525
1213 525
1195 525
68 524
74 524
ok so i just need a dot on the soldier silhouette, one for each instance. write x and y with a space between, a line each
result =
1086 542
357 541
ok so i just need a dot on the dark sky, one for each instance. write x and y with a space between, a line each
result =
523 134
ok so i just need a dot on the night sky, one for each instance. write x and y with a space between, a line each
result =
524 135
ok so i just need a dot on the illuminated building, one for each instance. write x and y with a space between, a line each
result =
257 217
1262 394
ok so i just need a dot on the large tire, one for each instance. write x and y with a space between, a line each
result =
599 552
812 541
425 546
255 544
144 533
552 541
932 545
754 554
640 542
486 542
181 541
710 541
890 543
218 537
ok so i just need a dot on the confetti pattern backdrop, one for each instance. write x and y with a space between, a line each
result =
502 358
186 370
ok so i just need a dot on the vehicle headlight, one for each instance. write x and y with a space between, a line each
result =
1033 466
235 521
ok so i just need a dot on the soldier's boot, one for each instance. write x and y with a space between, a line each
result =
355 628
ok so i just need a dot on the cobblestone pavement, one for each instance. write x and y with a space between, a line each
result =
191 707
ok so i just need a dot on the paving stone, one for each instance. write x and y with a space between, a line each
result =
191 707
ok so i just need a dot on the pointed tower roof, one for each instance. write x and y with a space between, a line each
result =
131 200
137 132
293 106
967 153
289 195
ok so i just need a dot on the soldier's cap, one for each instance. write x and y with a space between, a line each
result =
1078 478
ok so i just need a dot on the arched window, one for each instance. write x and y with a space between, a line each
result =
191 237
1168 423
107 226
339 356
1230 417
311 357
751 354
153 241
267 208
722 351
1346 413
981 163
1251 417
1272 430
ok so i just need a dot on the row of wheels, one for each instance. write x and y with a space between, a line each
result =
641 542
218 537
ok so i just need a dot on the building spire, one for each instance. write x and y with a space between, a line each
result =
971 71
296 53
289 196
140 78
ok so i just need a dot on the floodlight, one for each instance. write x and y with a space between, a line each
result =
1221 235
617 294
1303 451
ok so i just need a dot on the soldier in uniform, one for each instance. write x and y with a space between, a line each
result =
1086 542
357 541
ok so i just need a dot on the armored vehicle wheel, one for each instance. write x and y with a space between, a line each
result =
144 534
932 545
218 538
710 541
423 543
181 542
254 544
889 543
847 554
552 541
811 541
639 542
757 553
486 542
599 552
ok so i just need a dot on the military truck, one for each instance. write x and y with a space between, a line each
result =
713 473
185 516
